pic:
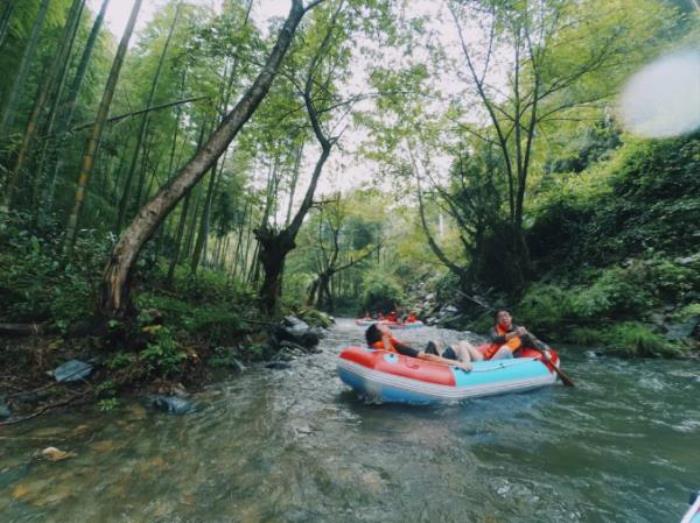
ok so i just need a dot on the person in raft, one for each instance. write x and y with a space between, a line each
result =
379 337
507 338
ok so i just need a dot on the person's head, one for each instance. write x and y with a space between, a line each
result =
374 333
504 319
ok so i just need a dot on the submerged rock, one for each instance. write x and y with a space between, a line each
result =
679 331
73 370
5 411
278 365
54 454
298 331
170 404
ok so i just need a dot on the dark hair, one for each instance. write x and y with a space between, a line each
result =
499 311
372 334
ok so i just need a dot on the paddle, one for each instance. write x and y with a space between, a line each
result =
564 378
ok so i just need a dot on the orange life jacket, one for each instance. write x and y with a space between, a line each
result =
513 344
379 345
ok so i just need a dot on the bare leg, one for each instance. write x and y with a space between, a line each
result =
503 353
466 351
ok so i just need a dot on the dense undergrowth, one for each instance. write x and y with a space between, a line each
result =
616 251
185 333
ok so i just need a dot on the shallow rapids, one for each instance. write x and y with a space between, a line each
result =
297 445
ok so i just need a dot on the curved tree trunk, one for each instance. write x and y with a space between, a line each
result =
114 299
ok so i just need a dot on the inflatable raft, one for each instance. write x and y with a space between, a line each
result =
394 378
364 322
407 325
693 514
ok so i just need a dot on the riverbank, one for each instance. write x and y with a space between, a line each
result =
189 330
47 372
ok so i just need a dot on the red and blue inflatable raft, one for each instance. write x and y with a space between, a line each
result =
363 322
383 376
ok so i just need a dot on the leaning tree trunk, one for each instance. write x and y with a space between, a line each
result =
95 135
114 299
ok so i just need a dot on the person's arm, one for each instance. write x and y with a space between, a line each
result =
406 350
496 338
439 359
502 339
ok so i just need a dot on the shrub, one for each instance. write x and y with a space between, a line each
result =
162 355
381 292
544 309
635 339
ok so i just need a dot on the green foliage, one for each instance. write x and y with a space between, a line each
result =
162 354
314 317
36 284
635 339
381 292
223 357
544 309
689 311
120 360
108 404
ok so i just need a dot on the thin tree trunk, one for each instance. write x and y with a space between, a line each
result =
48 87
93 140
204 222
178 241
18 86
48 147
69 109
5 20
144 124
76 84
239 241
293 183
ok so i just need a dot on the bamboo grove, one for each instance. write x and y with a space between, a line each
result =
200 141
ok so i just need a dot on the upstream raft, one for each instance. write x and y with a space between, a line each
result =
364 322
384 376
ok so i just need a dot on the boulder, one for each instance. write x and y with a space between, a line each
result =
297 331
73 370
5 411
170 404
680 331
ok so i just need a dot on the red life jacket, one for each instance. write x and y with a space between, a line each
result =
513 344
379 345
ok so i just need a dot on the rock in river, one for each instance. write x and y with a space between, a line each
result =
170 404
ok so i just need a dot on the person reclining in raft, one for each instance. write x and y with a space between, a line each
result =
507 338
379 337
411 318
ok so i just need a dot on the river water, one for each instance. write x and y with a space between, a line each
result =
297 445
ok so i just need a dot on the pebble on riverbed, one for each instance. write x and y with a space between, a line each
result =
170 404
